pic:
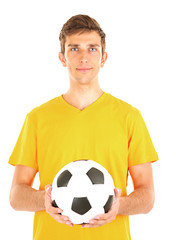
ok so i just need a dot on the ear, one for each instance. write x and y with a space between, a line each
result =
104 58
62 59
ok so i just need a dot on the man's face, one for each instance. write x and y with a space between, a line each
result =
83 57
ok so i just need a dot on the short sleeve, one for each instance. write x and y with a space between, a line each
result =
25 150
140 145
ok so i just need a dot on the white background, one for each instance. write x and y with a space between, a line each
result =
141 70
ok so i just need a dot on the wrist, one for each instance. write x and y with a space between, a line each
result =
122 205
42 199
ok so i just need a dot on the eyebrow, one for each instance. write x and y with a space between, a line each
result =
89 45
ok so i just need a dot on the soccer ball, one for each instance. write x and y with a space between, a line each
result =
82 189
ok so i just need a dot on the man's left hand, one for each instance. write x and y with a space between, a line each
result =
102 219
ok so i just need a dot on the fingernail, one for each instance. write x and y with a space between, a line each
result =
69 224
91 221
119 190
83 226
47 189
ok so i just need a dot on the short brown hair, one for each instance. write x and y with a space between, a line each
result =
80 24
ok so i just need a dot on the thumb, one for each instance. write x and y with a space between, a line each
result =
48 189
117 192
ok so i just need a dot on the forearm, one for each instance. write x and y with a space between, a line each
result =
139 201
26 198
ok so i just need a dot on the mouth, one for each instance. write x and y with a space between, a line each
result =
83 69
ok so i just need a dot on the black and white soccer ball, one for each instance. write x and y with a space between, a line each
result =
83 189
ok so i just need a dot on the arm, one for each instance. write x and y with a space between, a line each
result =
141 200
25 198
22 196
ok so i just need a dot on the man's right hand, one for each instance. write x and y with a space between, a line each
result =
52 211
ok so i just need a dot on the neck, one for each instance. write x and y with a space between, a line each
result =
81 96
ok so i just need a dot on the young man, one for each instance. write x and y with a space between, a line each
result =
83 123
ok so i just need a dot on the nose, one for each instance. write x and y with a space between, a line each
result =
83 57
83 60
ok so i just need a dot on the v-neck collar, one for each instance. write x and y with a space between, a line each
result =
85 109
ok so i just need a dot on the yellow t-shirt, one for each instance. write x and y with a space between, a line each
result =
109 131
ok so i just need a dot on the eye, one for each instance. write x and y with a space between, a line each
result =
74 49
93 49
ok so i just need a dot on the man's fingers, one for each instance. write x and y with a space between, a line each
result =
117 192
48 189
54 212
95 223
48 201
61 219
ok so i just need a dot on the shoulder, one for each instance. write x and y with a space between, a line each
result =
43 109
122 107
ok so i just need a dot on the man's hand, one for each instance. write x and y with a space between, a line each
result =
52 211
102 219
